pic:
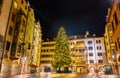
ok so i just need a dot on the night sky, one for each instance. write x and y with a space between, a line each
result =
76 16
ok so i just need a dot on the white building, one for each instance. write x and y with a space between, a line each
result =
36 47
95 50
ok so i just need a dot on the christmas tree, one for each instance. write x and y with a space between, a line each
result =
62 57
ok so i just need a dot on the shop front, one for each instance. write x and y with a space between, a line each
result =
81 69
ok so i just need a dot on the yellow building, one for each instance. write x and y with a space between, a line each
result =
47 53
29 36
36 48
14 36
5 7
19 29
80 57
115 18
110 45
17 50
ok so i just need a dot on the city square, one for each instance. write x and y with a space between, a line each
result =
59 39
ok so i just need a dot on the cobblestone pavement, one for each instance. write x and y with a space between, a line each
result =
63 75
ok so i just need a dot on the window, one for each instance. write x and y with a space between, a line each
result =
29 46
99 54
100 61
15 33
112 49
10 30
20 48
113 26
13 49
116 19
98 41
116 46
89 42
110 39
90 54
52 50
15 5
7 45
72 43
23 22
118 41
1 1
99 48
90 48
13 17
91 61
22 1
109 27
25 7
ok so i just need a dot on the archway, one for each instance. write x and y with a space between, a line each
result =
92 70
101 69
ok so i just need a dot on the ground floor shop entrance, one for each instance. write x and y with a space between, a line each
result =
81 69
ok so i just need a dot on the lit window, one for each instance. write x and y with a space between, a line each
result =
111 40
15 5
109 27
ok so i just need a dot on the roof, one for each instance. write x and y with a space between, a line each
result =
80 44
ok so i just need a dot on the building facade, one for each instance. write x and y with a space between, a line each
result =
14 39
47 53
112 36
109 43
115 18
19 17
91 48
20 36
9 33
36 48
29 36
95 51
79 56
5 7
